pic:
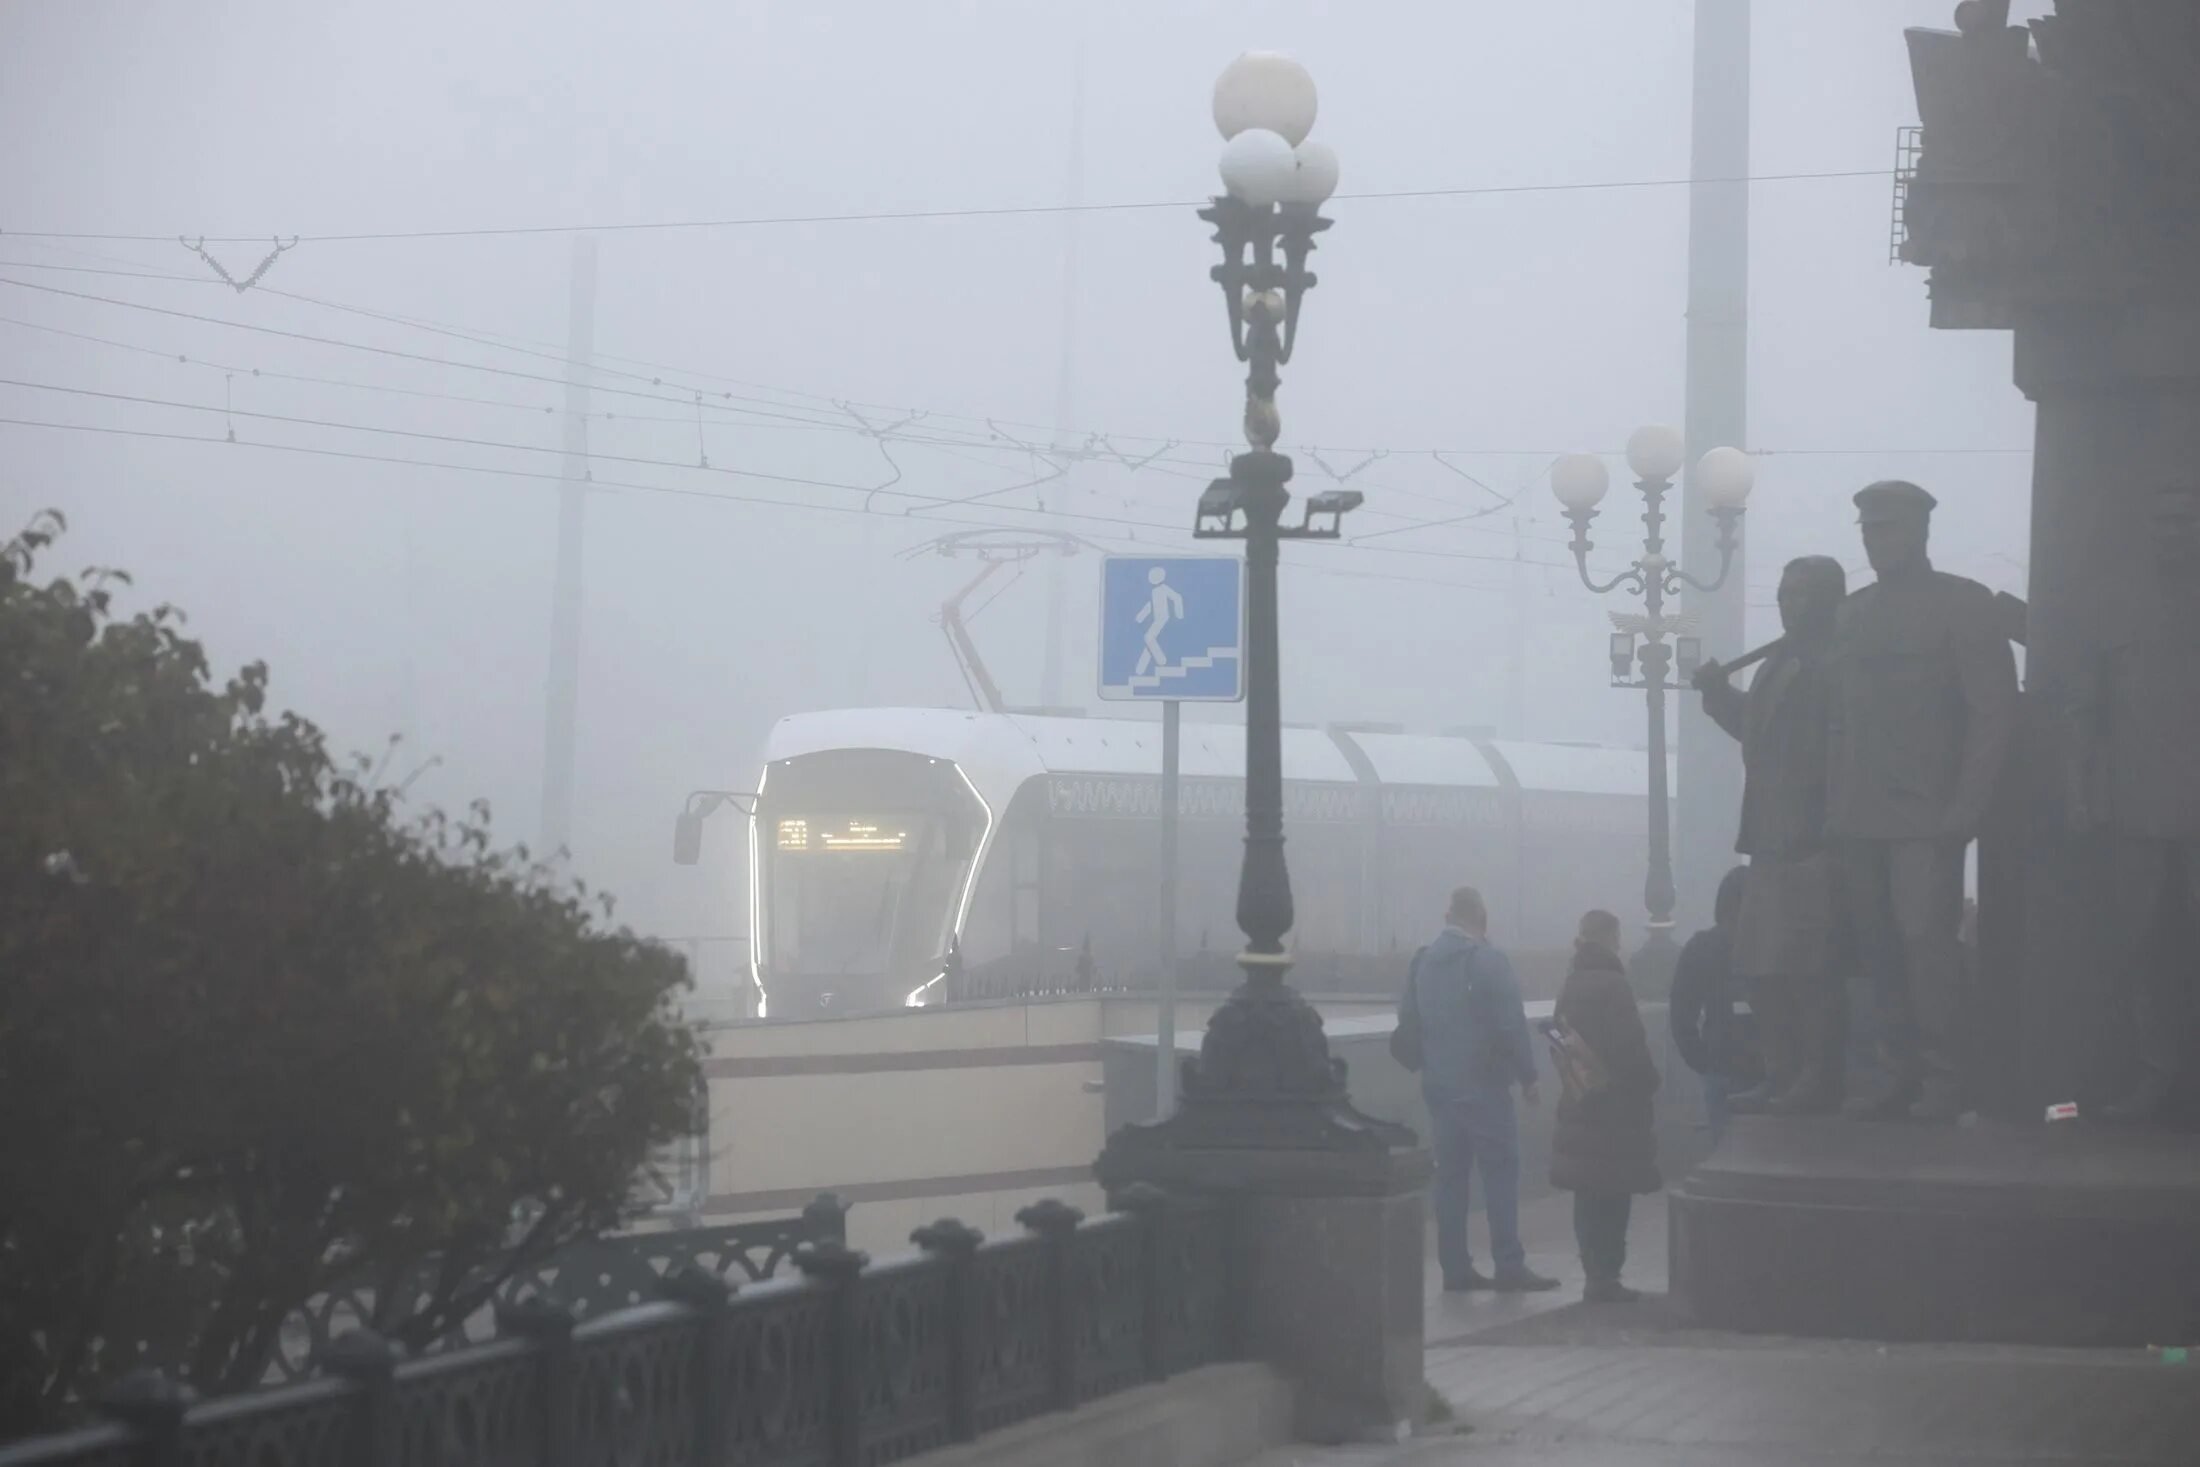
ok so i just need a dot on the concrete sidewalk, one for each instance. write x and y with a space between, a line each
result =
1545 1381
1547 1228
1769 1403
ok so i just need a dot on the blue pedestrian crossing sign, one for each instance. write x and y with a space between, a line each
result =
1172 628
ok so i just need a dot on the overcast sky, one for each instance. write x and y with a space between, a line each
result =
413 597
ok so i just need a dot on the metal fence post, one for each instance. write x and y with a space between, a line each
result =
153 1406
840 1268
826 1218
549 1325
369 1362
1056 1221
1150 1205
712 1298
956 1243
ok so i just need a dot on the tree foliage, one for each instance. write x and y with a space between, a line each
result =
261 1029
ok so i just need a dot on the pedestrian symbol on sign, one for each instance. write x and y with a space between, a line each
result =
1164 605
1172 629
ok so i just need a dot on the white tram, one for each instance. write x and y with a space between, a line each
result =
912 855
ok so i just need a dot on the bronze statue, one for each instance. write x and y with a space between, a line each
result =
2141 783
1924 695
1783 939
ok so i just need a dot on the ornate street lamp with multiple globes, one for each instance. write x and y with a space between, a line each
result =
1266 1041
1579 481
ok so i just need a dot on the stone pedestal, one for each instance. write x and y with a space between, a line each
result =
1327 1212
1995 1234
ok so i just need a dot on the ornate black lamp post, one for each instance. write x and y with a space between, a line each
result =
1322 1201
1579 480
1265 1044
1276 182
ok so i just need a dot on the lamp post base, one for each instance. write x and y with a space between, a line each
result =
1325 1206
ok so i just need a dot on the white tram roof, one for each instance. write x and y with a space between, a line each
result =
999 751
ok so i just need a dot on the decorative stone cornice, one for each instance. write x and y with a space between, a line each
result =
2061 162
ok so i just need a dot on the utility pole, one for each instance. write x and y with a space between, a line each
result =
1050 681
565 597
1717 414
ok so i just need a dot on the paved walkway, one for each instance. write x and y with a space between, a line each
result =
1547 1227
1545 1381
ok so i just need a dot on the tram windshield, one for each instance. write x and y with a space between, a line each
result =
843 885
864 856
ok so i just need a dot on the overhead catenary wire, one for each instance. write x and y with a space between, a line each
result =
659 378
461 440
676 491
925 440
878 216
695 402
227 370
926 504
481 367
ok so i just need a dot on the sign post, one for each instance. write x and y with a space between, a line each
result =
1172 631
1172 716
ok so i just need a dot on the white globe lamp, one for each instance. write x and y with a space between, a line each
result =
1579 481
1314 178
1258 167
1266 90
1726 476
1655 452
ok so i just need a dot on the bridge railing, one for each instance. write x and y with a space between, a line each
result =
590 1277
838 1364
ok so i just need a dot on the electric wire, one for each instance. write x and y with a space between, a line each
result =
1001 211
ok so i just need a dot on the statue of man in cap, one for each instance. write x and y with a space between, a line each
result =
2141 783
1923 707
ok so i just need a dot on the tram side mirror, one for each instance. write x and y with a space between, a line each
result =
687 838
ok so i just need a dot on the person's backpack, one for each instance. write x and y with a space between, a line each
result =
1405 1040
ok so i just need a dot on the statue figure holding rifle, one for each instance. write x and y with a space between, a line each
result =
1784 937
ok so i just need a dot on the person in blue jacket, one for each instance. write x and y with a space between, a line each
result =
1463 1005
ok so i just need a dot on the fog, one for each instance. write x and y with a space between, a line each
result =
402 585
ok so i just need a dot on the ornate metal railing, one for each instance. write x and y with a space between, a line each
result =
589 1278
839 1364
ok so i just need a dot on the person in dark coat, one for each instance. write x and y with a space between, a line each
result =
1714 1041
1604 1149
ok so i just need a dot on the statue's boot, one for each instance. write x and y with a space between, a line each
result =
1814 1093
1779 1035
1816 1087
2146 1099
1754 1100
1940 1097
1890 1100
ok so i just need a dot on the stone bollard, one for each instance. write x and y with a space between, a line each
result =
957 1243
840 1268
1056 1222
